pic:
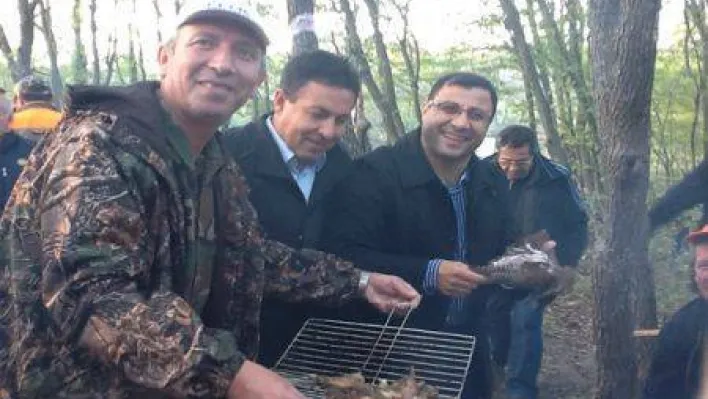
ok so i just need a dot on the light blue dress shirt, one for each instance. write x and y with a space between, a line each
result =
303 174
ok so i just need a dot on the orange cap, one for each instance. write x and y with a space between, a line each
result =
699 235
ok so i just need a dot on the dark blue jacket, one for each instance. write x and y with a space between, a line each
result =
547 200
13 155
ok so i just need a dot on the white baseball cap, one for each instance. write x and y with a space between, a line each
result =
229 11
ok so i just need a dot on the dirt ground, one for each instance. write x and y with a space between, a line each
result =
568 369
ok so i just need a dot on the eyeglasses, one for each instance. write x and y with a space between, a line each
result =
452 109
519 163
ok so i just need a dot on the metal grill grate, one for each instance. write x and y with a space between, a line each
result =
334 347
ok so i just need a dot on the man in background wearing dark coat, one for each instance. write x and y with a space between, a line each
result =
13 152
542 196
678 367
426 209
34 114
292 160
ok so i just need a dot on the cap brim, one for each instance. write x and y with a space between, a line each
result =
228 17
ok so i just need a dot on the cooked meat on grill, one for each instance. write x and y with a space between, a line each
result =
353 386
348 386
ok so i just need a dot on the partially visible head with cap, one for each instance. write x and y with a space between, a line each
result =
699 240
31 89
231 12
214 62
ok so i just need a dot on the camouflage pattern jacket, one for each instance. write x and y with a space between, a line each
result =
132 271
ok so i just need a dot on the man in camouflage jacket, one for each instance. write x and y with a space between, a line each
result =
134 265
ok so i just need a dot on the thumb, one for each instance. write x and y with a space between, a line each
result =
548 245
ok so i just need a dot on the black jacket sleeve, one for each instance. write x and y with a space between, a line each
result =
573 243
690 191
358 226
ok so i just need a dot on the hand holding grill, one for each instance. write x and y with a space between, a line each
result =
391 293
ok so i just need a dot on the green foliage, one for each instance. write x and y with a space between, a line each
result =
672 118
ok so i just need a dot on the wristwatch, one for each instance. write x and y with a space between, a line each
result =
364 280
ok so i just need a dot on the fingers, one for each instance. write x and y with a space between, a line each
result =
548 245
456 279
387 293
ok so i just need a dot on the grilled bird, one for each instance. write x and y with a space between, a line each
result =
526 266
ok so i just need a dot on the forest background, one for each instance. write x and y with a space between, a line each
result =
542 57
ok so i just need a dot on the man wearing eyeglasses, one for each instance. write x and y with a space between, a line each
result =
541 196
425 209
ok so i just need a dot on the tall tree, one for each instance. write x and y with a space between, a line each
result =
57 81
381 94
21 63
96 62
512 21
696 11
623 74
78 61
132 52
300 18
411 57
158 18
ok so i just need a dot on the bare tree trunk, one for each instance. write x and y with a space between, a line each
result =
573 65
541 53
110 59
132 55
24 52
530 107
48 32
356 51
697 79
623 76
548 121
96 78
158 18
79 62
411 57
9 56
697 10
384 68
300 18
356 139
141 61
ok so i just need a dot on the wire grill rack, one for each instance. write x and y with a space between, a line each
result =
334 347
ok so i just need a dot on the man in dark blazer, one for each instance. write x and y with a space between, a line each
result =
426 209
292 160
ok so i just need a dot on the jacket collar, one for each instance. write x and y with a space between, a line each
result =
264 153
413 164
134 111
